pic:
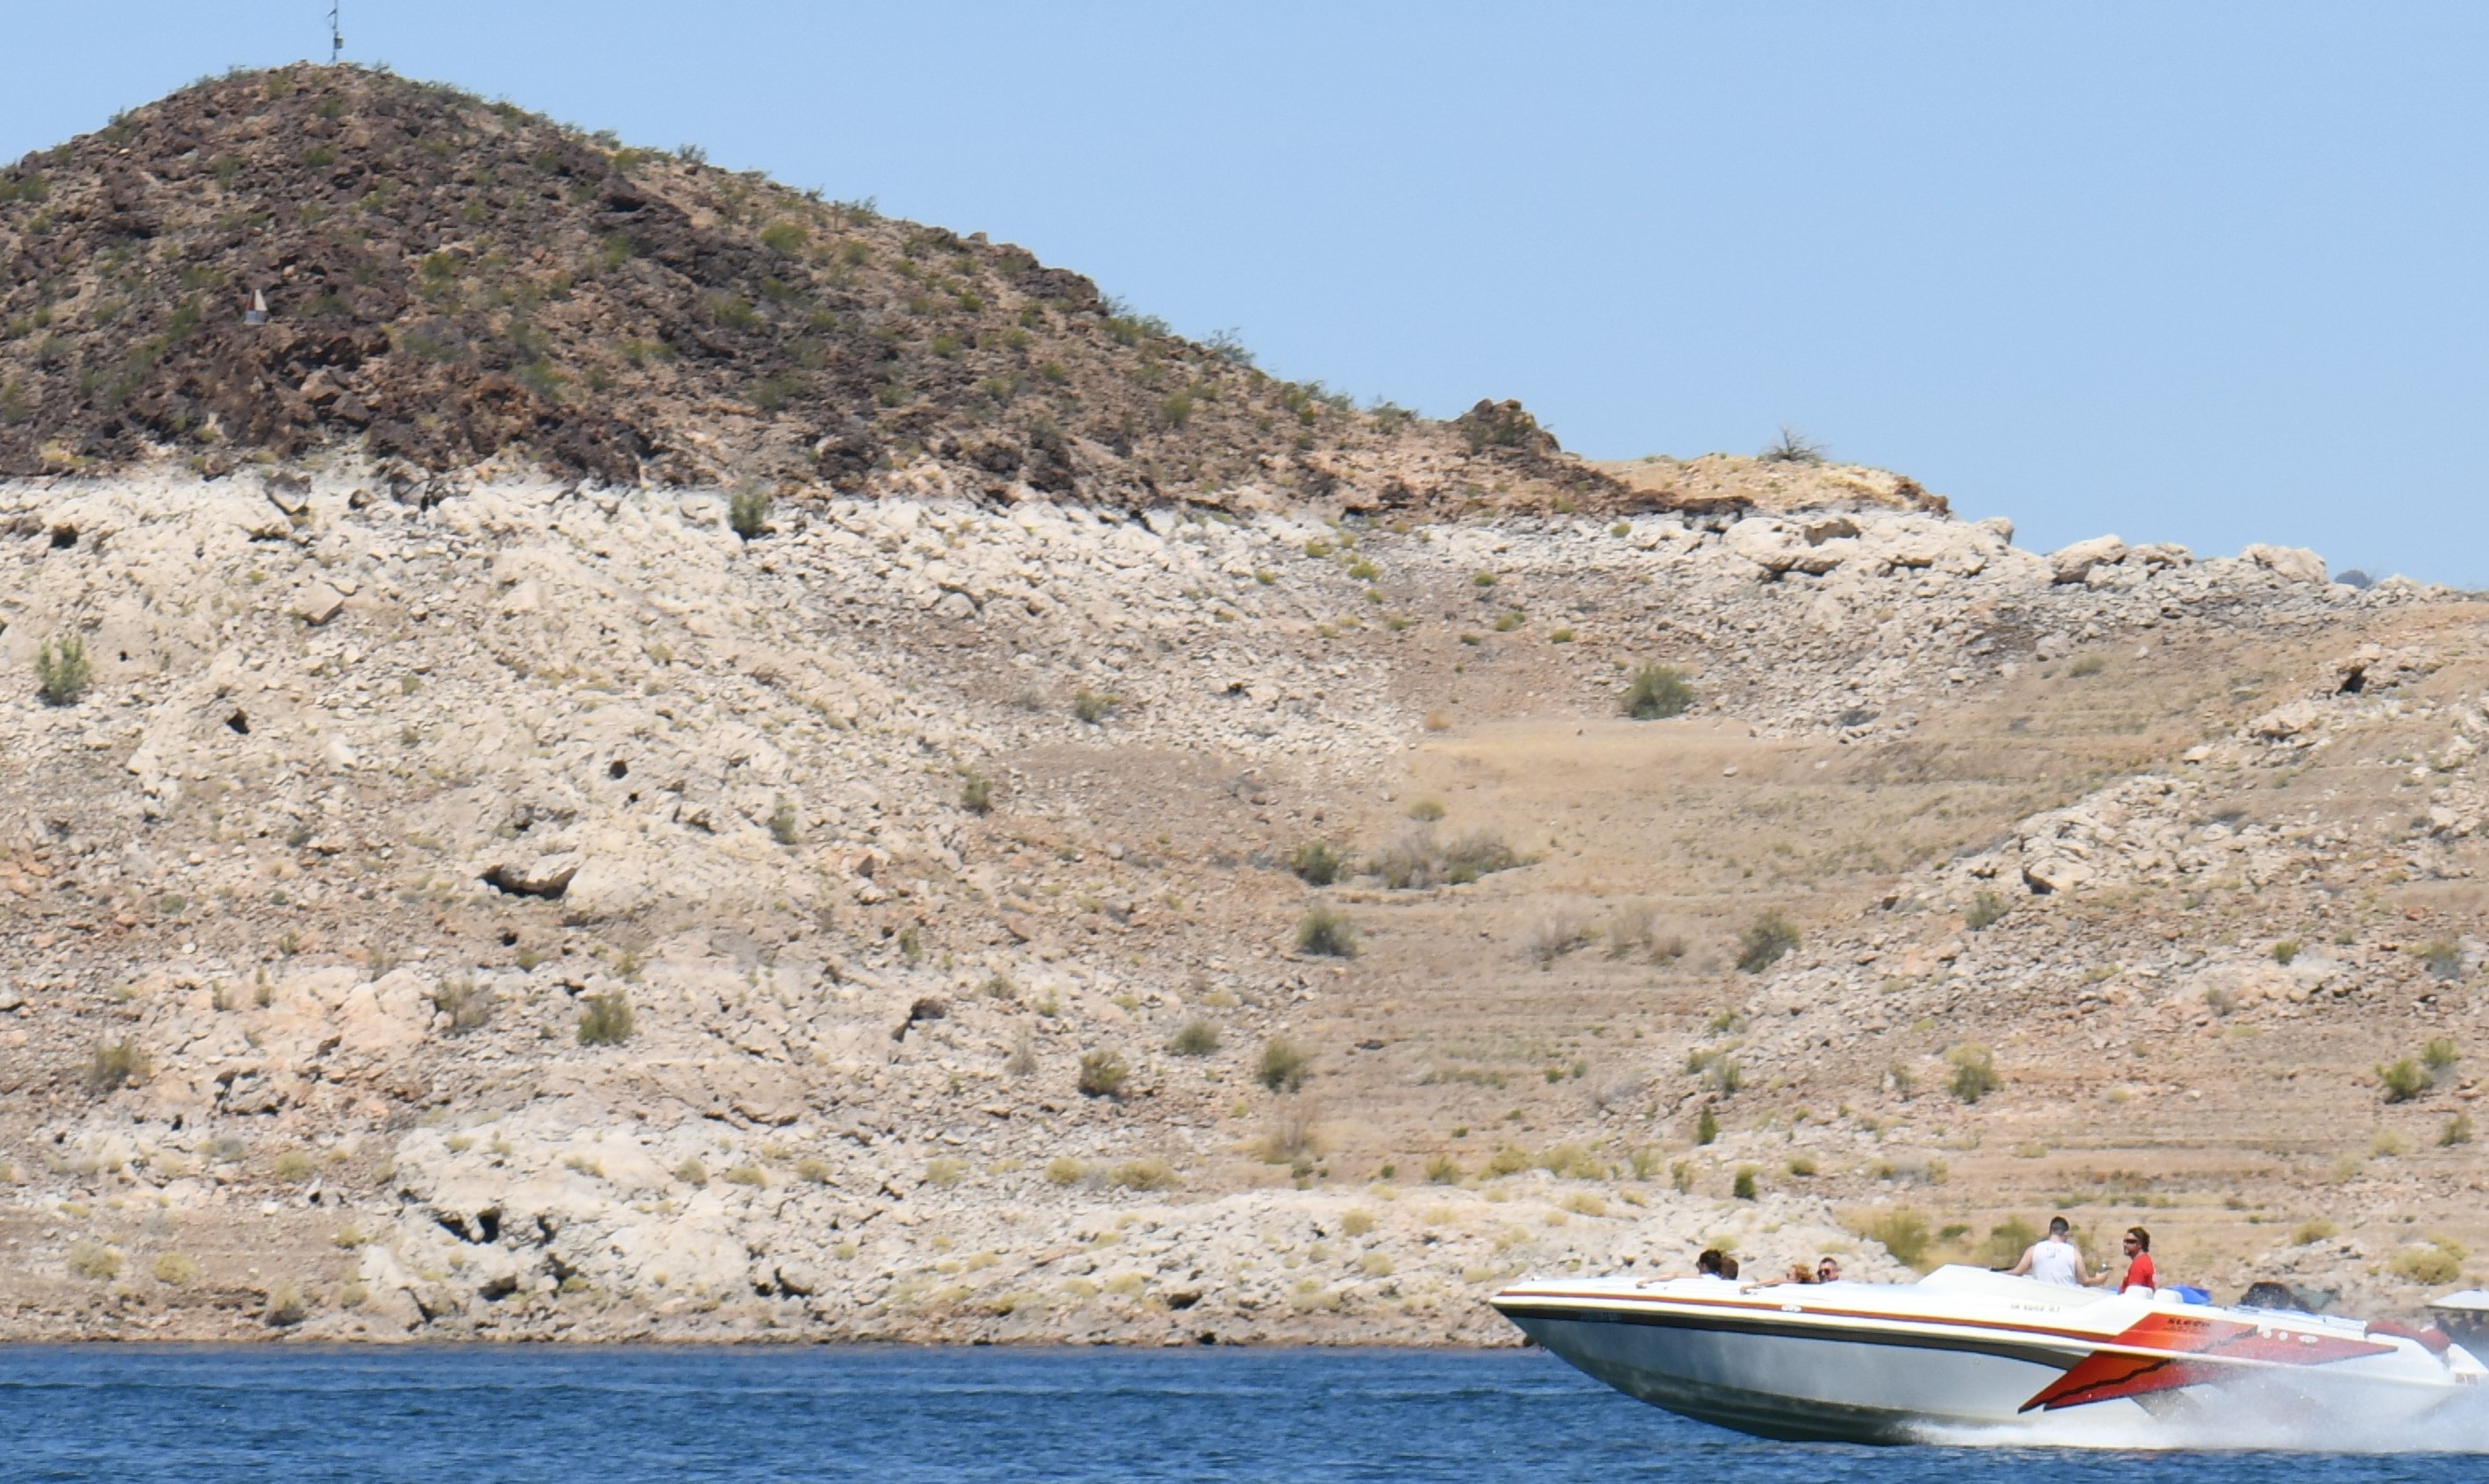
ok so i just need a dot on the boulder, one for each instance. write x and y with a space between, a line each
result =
2073 564
2290 564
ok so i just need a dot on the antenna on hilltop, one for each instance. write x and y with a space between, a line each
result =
336 37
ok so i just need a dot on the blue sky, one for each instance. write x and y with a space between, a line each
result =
2210 274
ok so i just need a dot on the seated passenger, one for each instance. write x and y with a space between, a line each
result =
1827 1270
2138 1263
1711 1264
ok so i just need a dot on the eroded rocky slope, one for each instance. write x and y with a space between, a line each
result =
522 907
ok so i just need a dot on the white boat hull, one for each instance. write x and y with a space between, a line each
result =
1798 1388
1966 1350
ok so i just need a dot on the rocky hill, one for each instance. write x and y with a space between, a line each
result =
451 891
446 280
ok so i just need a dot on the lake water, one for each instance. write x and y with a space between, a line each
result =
897 1415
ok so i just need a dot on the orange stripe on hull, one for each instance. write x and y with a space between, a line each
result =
2193 1350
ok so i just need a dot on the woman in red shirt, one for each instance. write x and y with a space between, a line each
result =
2139 1262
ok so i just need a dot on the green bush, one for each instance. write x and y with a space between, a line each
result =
1142 1175
1316 862
2439 1055
286 1306
2457 1131
1903 1232
1103 1075
606 1020
1197 1038
1658 691
1986 910
2008 1241
94 1260
63 671
1443 1170
1765 943
2405 1080
2283 952
1093 706
1706 1126
174 1271
1743 1187
747 511
1284 1066
1326 932
2435 1265
1974 1072
977 793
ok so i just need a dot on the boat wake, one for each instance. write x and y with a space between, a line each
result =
2242 1416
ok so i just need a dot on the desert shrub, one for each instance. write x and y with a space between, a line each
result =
1766 941
2008 1241
1803 1166
1987 909
747 512
1022 1061
944 1171
1443 1170
2436 1264
1102 1074
1197 1038
1093 706
466 1006
1903 1232
606 1020
748 1175
1316 862
2445 961
94 1260
117 1064
692 1172
1510 1159
785 825
2404 1080
784 237
813 1171
2283 952
2088 666
1288 1134
1706 1126
292 1167
63 671
1355 1222
1657 691
1974 1072
977 793
1551 938
173 1270
2315 1229
1792 447
1326 932
1743 1186
1142 1175
1284 1066
1065 1171
1474 855
2439 1055
2457 1131
286 1306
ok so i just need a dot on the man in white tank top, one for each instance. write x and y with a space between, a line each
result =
2054 1259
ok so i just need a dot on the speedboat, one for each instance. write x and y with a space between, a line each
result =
1969 1348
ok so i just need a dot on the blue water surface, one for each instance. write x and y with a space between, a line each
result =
897 1416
